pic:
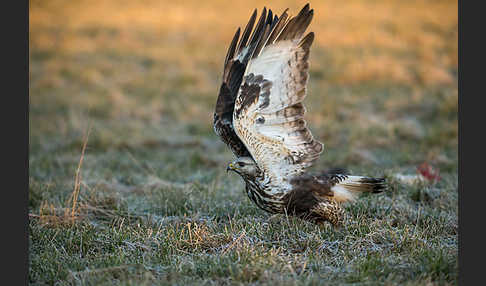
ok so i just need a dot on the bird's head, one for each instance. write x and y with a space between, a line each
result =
244 166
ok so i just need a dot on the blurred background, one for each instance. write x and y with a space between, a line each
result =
145 75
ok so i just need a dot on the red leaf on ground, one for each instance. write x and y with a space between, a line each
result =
428 172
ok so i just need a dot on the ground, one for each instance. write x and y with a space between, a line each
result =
127 181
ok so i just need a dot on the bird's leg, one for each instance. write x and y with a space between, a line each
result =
330 211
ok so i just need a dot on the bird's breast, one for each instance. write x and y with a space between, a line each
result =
265 194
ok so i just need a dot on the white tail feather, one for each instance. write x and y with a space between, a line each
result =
351 187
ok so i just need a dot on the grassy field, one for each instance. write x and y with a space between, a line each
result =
147 200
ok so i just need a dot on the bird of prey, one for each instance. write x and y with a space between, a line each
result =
260 116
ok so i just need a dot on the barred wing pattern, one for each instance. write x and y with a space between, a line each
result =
268 115
236 61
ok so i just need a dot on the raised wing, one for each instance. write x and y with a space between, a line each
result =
269 115
236 61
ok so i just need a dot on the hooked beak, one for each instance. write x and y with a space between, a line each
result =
230 167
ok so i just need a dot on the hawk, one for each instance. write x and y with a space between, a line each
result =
260 116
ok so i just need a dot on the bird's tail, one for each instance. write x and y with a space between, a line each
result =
348 188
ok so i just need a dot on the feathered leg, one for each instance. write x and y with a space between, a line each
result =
328 210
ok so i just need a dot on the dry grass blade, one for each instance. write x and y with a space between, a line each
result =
77 178
234 243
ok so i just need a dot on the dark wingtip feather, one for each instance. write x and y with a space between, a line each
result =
277 27
306 42
304 9
275 19
297 25
377 185
231 53
259 26
246 33
269 17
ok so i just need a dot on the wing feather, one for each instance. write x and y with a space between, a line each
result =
269 114
237 57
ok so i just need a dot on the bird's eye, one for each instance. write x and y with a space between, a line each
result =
241 164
